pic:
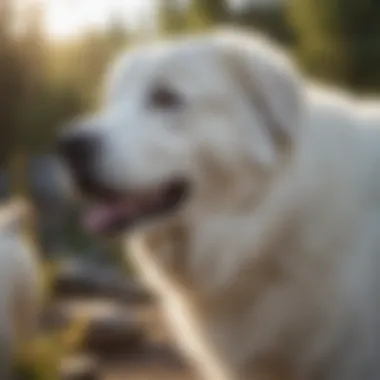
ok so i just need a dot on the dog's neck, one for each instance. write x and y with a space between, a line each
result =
195 242
201 243
190 258
263 216
226 251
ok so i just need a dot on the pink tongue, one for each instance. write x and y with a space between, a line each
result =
100 216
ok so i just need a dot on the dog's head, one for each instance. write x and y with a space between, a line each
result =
184 122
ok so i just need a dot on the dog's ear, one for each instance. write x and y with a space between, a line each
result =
269 80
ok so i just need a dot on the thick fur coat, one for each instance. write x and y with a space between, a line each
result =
269 270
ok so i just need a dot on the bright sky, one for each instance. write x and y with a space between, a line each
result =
66 18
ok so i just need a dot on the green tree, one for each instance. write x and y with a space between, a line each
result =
203 14
339 40
32 51
171 17
267 18
10 81
44 83
91 55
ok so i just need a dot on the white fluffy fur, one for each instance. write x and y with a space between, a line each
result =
270 271
19 283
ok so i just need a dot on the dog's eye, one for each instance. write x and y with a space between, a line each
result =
165 99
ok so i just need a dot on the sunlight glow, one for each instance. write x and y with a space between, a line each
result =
67 18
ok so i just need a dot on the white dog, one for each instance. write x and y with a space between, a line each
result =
20 297
253 204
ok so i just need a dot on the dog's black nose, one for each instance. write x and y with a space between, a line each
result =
78 151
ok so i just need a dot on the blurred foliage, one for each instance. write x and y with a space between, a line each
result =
44 83
171 17
176 16
269 20
339 40
42 359
203 14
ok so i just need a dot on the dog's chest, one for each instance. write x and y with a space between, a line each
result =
167 263
156 269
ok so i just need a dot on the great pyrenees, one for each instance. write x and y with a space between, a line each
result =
251 199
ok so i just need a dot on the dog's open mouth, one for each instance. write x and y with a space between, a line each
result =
111 213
